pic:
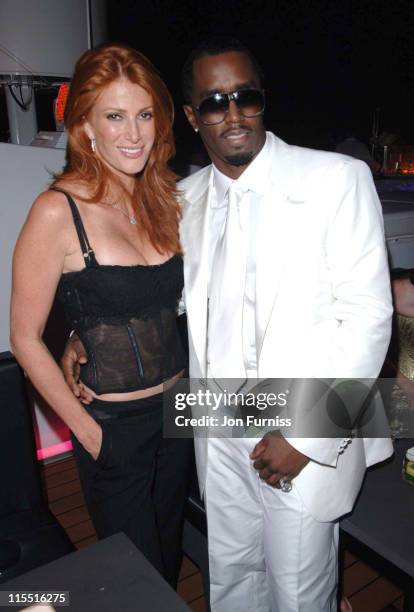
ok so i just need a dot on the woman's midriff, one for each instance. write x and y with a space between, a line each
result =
132 395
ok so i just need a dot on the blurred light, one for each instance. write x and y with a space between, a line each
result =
52 451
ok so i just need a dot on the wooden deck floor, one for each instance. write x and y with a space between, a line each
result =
367 590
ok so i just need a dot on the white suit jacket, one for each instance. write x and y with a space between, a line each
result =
323 300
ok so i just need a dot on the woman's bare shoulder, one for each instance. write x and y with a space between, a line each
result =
49 224
50 207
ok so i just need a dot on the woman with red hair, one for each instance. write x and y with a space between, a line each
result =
104 239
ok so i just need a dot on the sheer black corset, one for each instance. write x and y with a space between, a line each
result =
126 317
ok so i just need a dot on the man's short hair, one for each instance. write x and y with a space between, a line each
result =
213 46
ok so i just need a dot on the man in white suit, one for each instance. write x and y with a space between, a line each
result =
315 302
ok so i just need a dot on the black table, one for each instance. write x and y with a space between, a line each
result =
383 517
109 575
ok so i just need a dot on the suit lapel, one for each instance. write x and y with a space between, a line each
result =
270 260
273 236
194 240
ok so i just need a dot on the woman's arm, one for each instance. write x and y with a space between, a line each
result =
38 262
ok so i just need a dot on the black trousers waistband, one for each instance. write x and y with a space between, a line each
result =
103 410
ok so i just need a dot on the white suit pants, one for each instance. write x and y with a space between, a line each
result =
266 551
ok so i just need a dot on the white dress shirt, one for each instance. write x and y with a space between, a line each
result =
251 180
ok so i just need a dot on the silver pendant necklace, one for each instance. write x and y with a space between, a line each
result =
132 219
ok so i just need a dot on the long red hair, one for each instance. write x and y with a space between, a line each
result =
155 196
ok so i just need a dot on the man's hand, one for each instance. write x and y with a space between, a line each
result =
274 458
73 357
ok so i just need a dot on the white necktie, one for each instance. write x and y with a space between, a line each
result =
227 286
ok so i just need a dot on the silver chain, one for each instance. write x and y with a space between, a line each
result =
132 219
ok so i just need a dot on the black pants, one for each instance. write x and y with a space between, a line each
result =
139 482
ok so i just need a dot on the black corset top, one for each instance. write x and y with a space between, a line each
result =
126 317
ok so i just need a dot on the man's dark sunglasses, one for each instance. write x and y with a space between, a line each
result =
213 110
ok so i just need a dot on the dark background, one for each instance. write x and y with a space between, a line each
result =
328 63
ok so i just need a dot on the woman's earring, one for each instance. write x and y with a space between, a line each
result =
196 129
93 145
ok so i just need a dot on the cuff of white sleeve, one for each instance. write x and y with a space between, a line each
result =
321 450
